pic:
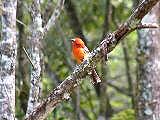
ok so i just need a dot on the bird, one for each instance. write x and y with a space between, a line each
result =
80 53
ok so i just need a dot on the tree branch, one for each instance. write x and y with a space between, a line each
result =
64 90
46 14
25 51
54 16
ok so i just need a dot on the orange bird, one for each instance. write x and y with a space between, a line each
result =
80 53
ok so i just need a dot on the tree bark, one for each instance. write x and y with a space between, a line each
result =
149 69
128 72
8 53
35 43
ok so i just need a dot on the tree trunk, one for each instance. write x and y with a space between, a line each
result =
105 110
8 53
148 104
35 42
128 72
37 33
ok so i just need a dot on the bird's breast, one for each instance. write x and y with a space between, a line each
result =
79 54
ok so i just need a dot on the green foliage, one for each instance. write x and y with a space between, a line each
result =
128 114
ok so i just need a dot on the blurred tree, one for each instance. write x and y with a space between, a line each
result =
128 71
23 76
105 110
73 19
149 69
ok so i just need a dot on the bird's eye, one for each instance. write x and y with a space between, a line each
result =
78 45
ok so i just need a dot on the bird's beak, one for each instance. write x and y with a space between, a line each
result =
72 40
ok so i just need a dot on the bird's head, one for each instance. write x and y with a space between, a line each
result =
77 43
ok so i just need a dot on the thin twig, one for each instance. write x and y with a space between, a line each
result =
29 58
20 22
146 25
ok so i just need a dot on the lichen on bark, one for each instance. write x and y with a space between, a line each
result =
149 67
8 53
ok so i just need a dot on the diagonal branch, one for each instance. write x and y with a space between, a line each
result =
64 90
54 16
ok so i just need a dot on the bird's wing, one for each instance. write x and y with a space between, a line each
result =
86 51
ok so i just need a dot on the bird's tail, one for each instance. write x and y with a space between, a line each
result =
94 76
